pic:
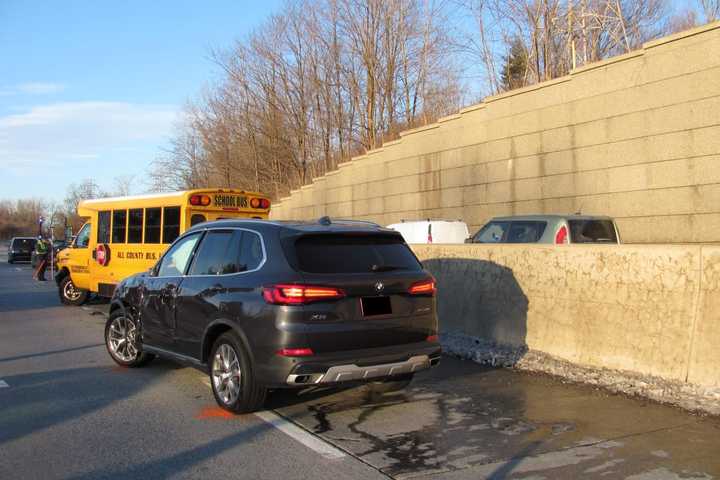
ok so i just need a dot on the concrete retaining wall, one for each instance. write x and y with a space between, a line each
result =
654 310
636 137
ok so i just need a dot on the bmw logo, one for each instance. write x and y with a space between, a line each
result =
379 286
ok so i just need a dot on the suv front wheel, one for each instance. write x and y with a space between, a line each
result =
231 376
122 341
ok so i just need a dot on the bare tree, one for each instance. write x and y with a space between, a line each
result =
123 185
319 82
183 164
710 10
20 217
85 190
558 35
682 20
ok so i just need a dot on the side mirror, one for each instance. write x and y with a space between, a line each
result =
469 240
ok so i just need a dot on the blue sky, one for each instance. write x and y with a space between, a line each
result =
93 88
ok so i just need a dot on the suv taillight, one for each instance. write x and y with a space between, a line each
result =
299 294
423 287
295 352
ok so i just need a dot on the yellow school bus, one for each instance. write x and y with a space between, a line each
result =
127 235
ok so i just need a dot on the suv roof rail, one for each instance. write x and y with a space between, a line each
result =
326 220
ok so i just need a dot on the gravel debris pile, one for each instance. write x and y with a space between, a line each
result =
688 396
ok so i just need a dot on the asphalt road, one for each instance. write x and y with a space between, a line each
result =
66 411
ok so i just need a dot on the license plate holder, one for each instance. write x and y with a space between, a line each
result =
375 306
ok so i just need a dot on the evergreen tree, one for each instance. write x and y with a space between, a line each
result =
514 66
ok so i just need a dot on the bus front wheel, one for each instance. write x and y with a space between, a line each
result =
69 294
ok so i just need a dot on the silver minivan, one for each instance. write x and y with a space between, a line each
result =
551 229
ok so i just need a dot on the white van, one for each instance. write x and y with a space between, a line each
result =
432 231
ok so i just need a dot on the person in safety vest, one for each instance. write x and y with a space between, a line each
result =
41 251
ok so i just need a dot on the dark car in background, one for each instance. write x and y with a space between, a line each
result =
262 305
21 249
549 229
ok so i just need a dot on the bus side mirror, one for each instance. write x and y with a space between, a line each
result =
469 240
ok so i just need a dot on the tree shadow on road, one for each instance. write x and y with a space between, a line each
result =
23 300
42 401
50 352
180 462
38 401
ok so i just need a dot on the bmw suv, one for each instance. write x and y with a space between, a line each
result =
262 305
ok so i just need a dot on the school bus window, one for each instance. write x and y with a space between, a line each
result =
135 225
119 226
103 233
152 225
83 237
197 218
171 224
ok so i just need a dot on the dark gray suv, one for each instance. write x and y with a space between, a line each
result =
262 305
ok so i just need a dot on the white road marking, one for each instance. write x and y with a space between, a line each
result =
3 384
18 269
290 429
302 436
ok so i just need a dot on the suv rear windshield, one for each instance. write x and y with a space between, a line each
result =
338 253
592 231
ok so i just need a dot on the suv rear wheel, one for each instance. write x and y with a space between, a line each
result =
69 294
231 376
122 341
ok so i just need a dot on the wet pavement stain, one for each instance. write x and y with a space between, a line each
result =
463 419
323 424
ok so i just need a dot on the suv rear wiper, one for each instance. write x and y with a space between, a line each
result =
385 268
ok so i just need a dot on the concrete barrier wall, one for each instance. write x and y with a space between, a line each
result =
653 310
636 137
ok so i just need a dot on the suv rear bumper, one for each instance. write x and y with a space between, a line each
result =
350 366
352 372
